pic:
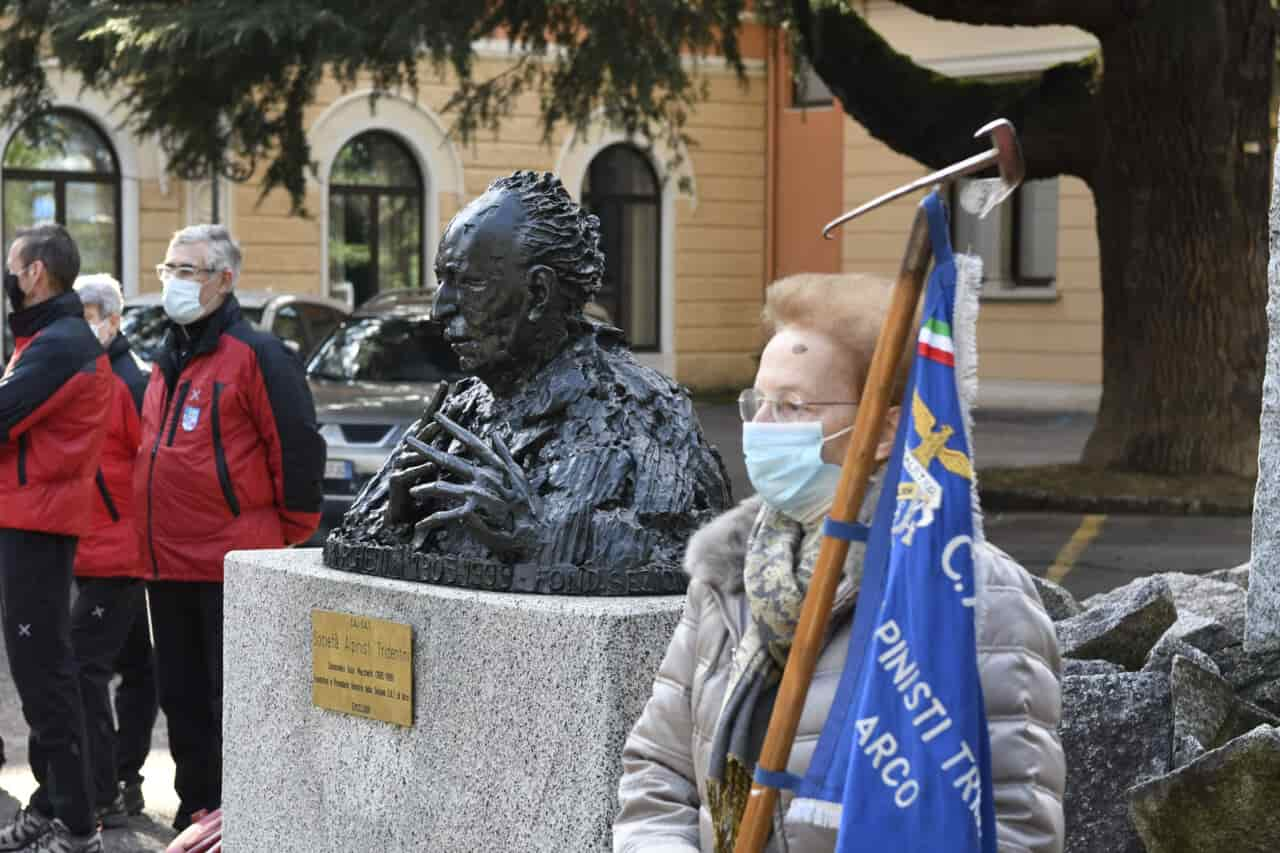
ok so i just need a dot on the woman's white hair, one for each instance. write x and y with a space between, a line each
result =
849 308
224 251
103 291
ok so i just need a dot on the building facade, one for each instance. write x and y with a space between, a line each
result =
691 237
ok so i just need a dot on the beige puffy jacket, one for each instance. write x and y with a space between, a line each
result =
665 759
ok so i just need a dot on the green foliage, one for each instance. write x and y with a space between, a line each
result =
223 84
343 254
22 153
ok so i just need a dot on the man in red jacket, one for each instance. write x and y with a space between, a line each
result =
109 629
52 396
231 458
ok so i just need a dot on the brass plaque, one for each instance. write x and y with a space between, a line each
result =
362 666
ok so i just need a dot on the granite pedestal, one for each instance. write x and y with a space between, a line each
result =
521 706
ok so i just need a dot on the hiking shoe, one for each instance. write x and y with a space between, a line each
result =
113 814
132 793
58 839
26 827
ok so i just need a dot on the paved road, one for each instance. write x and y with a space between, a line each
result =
1127 546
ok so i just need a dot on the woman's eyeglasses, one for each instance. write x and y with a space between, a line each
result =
785 408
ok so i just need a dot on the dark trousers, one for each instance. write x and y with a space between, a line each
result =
35 596
186 621
105 614
136 700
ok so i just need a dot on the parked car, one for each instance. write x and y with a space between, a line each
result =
371 379
302 321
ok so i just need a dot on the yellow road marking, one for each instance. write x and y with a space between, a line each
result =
1090 527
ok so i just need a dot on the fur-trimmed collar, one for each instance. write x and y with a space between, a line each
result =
717 552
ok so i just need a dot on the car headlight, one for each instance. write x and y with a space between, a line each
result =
332 434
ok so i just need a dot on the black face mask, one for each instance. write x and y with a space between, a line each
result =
11 287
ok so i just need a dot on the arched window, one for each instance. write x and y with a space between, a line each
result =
375 216
59 167
622 189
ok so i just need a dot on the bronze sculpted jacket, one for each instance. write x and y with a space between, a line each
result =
613 454
663 787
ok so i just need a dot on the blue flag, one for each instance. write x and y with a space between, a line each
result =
903 763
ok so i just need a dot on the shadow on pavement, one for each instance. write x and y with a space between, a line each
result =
142 835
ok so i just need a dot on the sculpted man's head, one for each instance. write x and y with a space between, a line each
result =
514 269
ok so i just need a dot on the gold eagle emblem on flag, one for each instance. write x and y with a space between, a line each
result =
934 444
918 499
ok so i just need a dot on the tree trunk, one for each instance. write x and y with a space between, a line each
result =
1171 131
1181 185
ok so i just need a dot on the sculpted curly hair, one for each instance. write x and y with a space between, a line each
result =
558 233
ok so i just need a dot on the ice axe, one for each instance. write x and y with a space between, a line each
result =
1005 154
859 464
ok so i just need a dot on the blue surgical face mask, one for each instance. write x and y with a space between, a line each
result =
784 462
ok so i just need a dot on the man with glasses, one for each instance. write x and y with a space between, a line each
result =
231 459
52 396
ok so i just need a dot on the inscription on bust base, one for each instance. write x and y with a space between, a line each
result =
403 563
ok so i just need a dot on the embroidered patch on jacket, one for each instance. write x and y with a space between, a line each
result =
190 417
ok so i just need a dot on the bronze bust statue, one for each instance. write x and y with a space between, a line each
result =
560 464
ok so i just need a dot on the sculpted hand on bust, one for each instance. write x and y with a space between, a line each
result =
496 502
406 468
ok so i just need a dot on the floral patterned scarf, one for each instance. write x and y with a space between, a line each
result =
781 556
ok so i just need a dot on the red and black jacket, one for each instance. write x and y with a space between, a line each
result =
231 457
52 396
110 547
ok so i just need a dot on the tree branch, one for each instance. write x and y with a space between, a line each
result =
931 117
1093 15
239 100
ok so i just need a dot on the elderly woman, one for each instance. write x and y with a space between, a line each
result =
749 570
109 629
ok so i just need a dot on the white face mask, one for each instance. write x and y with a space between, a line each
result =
182 300
99 328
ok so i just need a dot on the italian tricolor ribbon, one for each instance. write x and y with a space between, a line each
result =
935 342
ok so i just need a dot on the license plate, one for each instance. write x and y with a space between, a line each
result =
338 469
